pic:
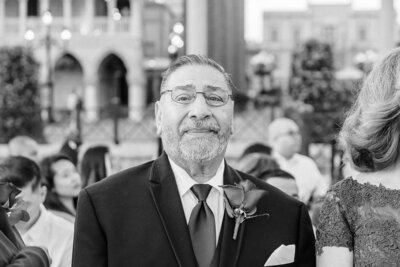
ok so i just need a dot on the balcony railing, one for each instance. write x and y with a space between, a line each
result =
11 26
78 26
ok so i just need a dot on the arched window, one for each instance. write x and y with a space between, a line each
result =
33 8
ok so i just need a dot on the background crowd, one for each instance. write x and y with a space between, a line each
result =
49 186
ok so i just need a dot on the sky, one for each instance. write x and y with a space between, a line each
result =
255 8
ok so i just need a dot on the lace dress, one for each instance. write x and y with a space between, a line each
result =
364 218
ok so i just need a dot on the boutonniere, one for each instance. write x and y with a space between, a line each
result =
241 202
13 205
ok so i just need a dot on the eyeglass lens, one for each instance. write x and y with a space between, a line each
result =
214 96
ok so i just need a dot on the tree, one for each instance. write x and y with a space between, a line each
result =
313 84
19 95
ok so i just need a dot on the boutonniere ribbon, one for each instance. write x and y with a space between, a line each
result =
13 205
241 202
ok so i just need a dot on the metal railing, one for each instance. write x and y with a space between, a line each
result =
250 125
100 25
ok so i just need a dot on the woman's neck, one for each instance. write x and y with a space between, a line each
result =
68 203
23 227
388 177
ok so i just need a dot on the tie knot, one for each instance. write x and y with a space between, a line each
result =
201 191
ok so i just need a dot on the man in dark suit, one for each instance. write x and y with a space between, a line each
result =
171 211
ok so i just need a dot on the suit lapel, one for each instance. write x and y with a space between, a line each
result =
167 201
230 249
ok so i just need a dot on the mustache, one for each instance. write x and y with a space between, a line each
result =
199 125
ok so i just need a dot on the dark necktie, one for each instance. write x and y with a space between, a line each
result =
202 226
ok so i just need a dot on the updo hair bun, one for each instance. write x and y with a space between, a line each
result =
371 132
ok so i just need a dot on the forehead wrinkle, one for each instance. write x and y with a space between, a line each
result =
215 77
190 86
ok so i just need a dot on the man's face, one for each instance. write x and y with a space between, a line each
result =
32 198
194 131
288 141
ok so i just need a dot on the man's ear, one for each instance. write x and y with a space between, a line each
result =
232 120
232 129
43 192
158 115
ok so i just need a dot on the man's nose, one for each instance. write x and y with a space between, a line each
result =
199 109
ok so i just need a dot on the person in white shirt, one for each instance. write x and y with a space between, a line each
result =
285 140
43 228
25 146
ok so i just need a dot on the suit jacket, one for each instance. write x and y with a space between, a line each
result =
135 218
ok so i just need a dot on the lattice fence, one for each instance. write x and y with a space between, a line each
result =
250 125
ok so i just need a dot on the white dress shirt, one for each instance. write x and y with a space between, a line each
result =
215 199
54 233
309 179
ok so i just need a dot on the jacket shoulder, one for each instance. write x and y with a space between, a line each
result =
132 177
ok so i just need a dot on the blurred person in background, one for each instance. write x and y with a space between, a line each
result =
25 146
281 180
63 185
256 163
257 148
285 140
43 227
360 217
13 252
70 148
95 164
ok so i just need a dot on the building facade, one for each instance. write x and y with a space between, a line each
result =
350 32
94 48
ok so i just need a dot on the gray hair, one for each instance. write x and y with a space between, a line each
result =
196 60
279 126
371 132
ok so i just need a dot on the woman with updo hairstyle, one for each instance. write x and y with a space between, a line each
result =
360 218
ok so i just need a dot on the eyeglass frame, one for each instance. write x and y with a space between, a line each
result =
292 133
195 97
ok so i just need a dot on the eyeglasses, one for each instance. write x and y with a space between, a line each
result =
214 96
292 133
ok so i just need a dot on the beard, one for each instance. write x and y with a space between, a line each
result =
195 148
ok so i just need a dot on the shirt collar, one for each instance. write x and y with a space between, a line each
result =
185 182
37 230
280 158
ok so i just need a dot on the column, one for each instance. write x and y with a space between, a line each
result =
2 16
136 73
136 92
111 5
90 95
67 13
136 19
386 26
23 13
43 6
87 26
196 27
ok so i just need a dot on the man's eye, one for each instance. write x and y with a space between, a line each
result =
215 98
183 98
